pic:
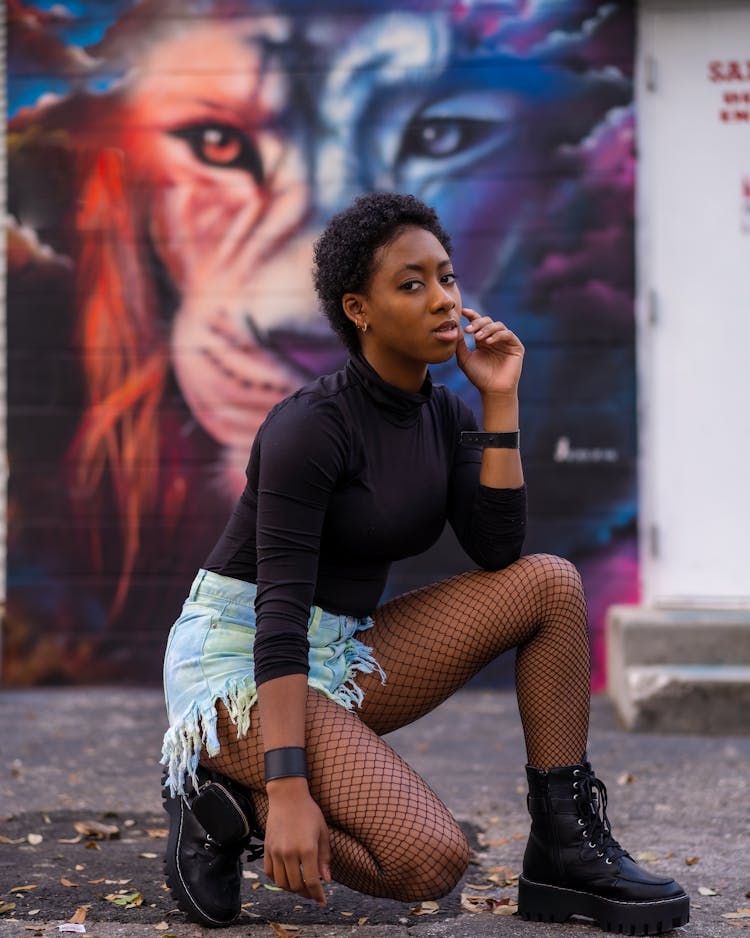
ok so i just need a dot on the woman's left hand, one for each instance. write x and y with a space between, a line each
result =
494 367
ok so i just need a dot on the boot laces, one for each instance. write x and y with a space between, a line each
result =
591 797
253 851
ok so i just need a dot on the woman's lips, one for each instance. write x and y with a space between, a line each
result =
446 331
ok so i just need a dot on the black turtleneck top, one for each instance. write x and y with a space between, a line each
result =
345 476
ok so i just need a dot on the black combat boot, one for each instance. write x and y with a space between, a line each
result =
573 865
209 829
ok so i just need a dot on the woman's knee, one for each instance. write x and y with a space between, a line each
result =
433 867
556 580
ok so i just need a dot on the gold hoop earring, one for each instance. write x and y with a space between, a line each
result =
362 328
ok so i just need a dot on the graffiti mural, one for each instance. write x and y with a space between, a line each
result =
171 163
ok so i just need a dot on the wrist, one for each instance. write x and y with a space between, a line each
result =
291 788
506 395
500 413
508 439
284 762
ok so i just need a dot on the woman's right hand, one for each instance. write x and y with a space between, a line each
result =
297 849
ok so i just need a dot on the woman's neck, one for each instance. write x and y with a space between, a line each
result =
405 374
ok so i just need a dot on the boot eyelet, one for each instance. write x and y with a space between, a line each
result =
585 834
575 797
581 822
592 845
608 861
576 773
599 854
575 784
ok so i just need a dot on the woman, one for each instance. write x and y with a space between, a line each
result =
357 469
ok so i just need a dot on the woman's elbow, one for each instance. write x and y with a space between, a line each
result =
500 556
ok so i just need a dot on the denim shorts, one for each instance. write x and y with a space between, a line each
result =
209 657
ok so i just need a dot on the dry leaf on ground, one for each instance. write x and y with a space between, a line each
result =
97 829
25 888
502 906
7 840
473 903
691 861
283 931
79 916
157 833
425 908
34 839
67 882
6 907
706 891
126 900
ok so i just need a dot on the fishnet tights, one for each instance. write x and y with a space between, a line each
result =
390 834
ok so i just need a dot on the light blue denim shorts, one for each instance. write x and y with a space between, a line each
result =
209 657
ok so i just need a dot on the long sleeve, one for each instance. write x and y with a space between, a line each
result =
302 455
490 524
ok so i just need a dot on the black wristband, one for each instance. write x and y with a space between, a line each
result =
494 440
285 762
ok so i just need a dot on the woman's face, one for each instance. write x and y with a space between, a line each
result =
412 308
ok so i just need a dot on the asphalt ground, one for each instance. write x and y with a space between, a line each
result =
74 759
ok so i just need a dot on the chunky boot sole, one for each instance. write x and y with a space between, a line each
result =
175 808
538 902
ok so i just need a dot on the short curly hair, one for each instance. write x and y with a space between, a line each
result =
345 254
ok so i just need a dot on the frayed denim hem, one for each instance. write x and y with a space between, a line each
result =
196 730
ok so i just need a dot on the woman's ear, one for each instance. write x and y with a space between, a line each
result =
352 306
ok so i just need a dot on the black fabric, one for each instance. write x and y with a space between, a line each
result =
346 476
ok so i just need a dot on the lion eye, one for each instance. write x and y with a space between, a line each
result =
438 138
223 146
